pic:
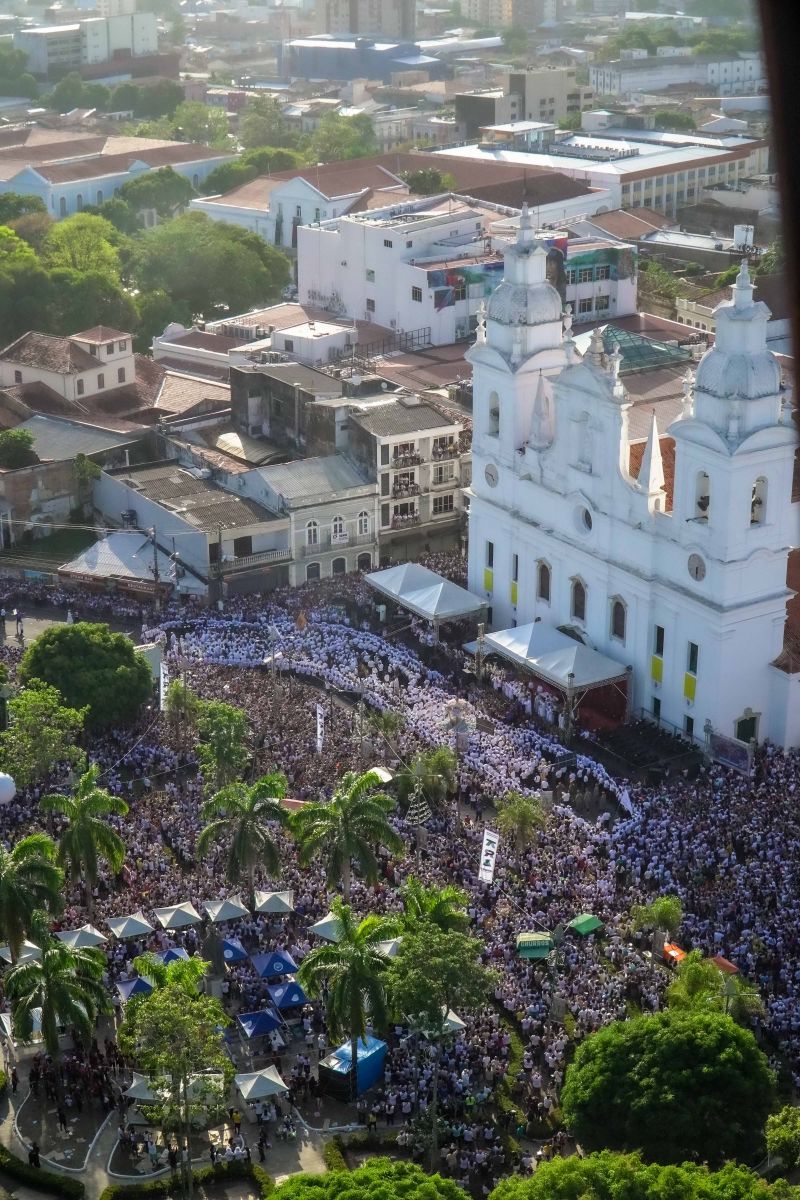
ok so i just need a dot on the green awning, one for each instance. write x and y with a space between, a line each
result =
534 945
585 923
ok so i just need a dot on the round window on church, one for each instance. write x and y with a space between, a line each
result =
583 520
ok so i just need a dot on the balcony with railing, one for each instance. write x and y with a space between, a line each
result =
247 561
405 460
407 521
402 491
452 450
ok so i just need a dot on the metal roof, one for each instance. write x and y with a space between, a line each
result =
313 477
198 501
395 419
55 440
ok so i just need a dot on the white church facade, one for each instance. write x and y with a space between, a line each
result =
687 590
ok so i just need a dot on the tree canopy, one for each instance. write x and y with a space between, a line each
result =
93 669
376 1180
673 1085
337 138
16 449
42 732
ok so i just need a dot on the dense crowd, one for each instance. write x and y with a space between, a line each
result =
726 844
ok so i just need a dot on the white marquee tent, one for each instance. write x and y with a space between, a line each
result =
176 916
257 1085
80 939
425 593
230 909
328 928
131 926
275 902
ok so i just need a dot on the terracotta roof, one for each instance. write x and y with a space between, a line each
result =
49 352
196 339
667 457
101 333
535 189
101 165
629 223
181 393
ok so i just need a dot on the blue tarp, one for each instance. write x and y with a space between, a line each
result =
256 1024
173 954
287 995
268 965
233 951
370 1057
134 987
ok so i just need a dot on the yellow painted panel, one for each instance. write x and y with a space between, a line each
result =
488 579
514 590
689 685
657 668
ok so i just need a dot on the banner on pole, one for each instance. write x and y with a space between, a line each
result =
163 684
320 727
488 856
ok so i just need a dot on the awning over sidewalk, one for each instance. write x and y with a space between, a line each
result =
425 593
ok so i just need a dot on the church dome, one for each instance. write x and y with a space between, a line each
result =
747 375
522 304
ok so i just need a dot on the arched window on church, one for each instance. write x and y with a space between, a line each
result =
758 502
494 415
578 600
702 496
619 617
543 578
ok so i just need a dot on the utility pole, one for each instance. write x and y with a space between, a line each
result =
154 535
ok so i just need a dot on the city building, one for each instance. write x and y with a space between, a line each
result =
489 14
60 48
548 94
636 168
348 57
668 559
742 72
383 19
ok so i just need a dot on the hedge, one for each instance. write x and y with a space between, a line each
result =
39 1179
219 1173
332 1154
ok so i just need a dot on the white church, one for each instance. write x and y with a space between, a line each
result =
683 591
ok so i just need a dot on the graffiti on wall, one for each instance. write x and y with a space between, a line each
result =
448 282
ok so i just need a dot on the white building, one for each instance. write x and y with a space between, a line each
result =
740 73
85 43
682 580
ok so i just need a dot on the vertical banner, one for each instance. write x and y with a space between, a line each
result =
163 684
320 727
488 856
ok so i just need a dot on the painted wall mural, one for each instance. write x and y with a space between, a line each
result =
447 281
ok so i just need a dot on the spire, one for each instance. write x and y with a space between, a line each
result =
480 332
542 431
525 236
596 354
651 472
743 288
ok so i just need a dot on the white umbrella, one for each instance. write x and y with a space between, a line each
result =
225 910
133 925
385 775
141 1089
176 916
275 902
257 1085
28 953
80 939
390 948
453 1022
329 928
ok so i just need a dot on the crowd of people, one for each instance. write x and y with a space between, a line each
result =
726 844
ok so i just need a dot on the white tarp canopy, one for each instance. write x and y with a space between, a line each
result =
329 928
275 902
389 949
176 916
425 593
230 909
132 926
554 656
80 939
140 1089
201 1086
257 1085
28 953
7 1024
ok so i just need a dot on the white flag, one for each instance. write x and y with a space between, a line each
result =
163 684
320 727
488 856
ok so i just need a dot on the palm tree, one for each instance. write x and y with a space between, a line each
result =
348 827
350 974
700 984
244 816
88 837
30 879
443 907
66 984
387 725
519 818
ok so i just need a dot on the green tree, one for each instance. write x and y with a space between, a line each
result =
83 243
163 190
42 733
436 972
519 818
85 471
180 706
13 248
665 913
93 669
350 975
428 181
337 138
172 1035
66 984
194 121
346 829
378 1177
30 881
263 124
773 260
425 905
82 299
156 311
673 1085
33 228
429 779
16 449
87 838
246 817
265 160
15 79
673 119
68 93
783 1136
222 751
699 984
515 39
186 973
14 204
26 293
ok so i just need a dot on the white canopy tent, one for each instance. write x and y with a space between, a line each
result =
425 593
28 953
230 909
257 1085
140 1089
328 928
7 1025
389 949
80 939
133 925
274 902
177 916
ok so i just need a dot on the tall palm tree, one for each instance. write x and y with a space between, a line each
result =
30 879
88 837
350 974
347 828
244 816
519 818
387 725
66 984
700 984
443 907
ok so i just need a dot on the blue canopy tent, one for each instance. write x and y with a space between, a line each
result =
287 995
134 987
256 1024
277 963
233 951
335 1071
173 954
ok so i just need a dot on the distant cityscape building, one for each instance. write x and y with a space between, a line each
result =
384 19
95 40
743 72
536 94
